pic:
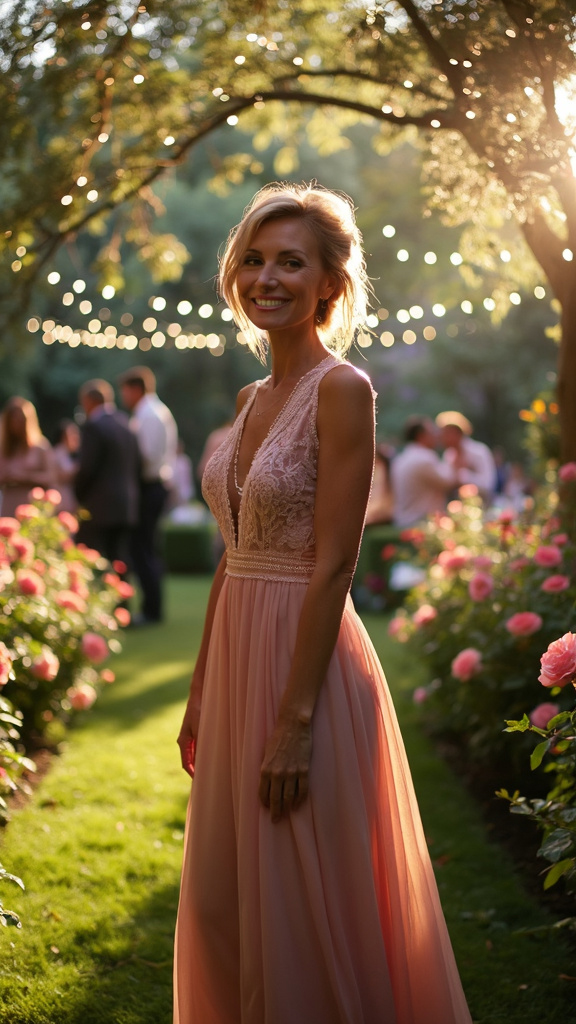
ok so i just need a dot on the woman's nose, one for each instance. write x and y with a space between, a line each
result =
268 276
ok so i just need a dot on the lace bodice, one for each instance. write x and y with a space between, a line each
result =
275 532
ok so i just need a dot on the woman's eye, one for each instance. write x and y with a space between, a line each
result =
293 263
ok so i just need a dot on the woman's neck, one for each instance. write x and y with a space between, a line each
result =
291 360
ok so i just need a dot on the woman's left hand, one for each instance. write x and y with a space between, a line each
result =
285 767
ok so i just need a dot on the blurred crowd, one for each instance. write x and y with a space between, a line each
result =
437 459
117 470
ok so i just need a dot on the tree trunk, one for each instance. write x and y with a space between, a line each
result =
567 377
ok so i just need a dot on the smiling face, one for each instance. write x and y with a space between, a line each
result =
282 279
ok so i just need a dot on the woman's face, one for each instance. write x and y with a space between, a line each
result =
281 278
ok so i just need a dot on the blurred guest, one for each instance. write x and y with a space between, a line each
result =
473 459
421 481
155 430
107 480
66 451
380 504
182 490
26 458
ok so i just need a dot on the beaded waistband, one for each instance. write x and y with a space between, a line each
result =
265 566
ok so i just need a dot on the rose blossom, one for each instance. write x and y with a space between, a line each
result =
452 561
82 696
123 616
388 551
26 512
507 516
560 539
23 547
554 584
523 623
397 628
558 663
482 562
518 563
119 566
412 535
542 714
37 493
5 664
107 675
468 491
481 586
466 664
45 665
94 647
53 496
420 695
30 583
548 555
567 472
424 614
69 522
73 602
8 526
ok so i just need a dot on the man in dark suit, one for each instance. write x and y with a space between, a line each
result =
107 481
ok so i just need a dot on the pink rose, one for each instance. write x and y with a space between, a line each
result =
26 512
507 516
542 714
69 522
481 586
518 563
5 664
420 695
123 616
466 664
560 538
45 666
107 675
82 696
94 647
523 623
397 628
73 602
482 562
424 614
388 551
36 494
554 584
53 496
23 547
30 583
567 472
548 555
124 589
452 561
558 663
8 526
468 491
412 535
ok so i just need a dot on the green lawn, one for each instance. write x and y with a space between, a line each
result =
100 847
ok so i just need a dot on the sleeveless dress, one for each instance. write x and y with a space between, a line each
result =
332 915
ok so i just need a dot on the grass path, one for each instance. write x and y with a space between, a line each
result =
100 848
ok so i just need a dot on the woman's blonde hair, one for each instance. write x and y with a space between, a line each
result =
330 217
9 444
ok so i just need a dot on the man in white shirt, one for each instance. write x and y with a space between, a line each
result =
421 481
474 459
157 436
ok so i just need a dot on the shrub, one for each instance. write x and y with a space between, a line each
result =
495 593
57 621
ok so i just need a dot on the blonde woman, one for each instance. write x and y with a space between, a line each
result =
307 891
26 458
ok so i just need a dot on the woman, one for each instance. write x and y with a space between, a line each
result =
307 891
25 455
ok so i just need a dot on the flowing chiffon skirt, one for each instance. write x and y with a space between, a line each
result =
332 915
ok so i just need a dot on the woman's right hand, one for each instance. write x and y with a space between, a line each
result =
188 734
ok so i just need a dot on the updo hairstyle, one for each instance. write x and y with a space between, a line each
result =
330 216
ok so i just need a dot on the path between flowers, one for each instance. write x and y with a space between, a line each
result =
100 844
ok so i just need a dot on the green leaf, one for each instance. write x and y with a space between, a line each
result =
557 843
522 726
557 870
538 753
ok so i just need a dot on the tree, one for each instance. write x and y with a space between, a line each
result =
100 99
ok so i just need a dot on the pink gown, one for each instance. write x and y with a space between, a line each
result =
332 915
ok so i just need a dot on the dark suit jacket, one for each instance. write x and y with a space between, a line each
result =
107 481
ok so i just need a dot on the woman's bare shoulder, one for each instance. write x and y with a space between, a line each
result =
243 396
346 383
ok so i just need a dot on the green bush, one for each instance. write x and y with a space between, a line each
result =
188 547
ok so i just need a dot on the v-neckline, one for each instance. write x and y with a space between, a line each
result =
235 521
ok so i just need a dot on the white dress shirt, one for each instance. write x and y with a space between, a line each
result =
479 468
421 482
155 428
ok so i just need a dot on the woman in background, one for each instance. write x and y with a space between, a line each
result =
65 454
26 458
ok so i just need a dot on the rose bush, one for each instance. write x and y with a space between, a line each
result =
59 618
555 814
497 591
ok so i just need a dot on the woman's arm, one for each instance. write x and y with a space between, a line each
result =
345 463
189 729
